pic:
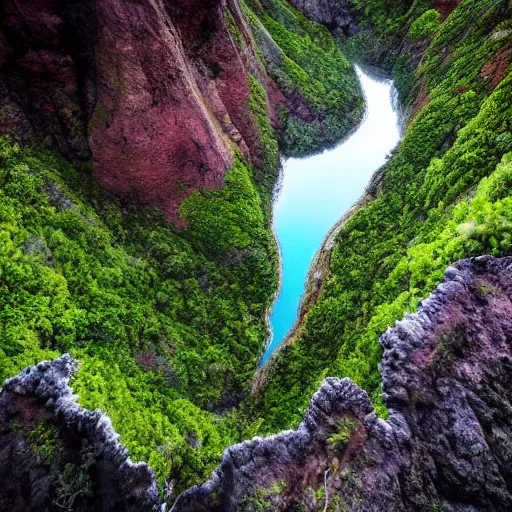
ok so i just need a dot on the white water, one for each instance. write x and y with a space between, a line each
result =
317 191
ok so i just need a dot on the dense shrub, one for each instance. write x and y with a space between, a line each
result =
426 25
444 197
304 59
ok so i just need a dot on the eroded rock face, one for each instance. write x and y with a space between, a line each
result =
54 455
445 7
334 14
47 71
447 443
156 91
152 135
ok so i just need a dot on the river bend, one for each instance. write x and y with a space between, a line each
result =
316 191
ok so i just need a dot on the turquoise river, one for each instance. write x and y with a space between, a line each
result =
315 192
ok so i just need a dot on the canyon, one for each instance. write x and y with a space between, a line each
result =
155 93
140 147
315 192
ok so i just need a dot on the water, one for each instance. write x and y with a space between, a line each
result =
318 190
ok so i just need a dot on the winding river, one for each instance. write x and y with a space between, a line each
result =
316 191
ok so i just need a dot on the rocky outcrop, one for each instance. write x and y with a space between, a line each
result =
341 18
54 455
334 14
446 445
157 92
447 372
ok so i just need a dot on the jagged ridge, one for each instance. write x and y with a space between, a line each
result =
446 444
41 395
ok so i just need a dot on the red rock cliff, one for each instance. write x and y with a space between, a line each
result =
445 7
157 91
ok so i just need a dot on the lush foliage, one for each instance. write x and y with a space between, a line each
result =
382 23
383 27
158 318
426 25
304 59
268 142
445 196
168 324
385 16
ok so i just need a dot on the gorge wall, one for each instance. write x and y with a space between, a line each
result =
164 98
156 93
445 445
112 114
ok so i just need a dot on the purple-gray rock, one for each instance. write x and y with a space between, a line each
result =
447 443
55 455
334 14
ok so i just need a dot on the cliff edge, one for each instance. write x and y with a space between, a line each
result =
55 455
446 370
446 373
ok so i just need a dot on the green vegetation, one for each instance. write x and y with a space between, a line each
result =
304 59
262 499
268 142
343 432
446 196
385 16
166 324
382 25
42 441
233 29
71 479
426 25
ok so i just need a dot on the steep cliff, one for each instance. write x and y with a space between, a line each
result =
446 372
157 92
56 455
